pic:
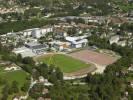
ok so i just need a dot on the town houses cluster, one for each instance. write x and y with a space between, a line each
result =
55 38
63 37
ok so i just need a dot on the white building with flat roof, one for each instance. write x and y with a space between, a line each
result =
27 32
47 29
36 33
122 43
78 42
37 48
25 52
39 32
58 45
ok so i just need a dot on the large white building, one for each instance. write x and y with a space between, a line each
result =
31 49
37 32
27 32
37 48
25 52
47 29
78 42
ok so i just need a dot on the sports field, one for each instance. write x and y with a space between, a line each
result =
66 63
94 57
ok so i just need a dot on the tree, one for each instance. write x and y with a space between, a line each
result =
52 77
14 87
43 70
59 74
36 91
28 60
2 81
25 86
83 96
19 58
5 92
72 31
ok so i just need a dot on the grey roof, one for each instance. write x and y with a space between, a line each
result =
40 46
34 45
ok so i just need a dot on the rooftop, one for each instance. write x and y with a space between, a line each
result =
35 45
71 39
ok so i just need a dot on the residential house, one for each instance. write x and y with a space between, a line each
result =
130 14
45 91
130 1
130 68
122 43
117 20
114 39
41 79
12 67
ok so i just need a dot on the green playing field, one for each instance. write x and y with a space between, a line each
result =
65 63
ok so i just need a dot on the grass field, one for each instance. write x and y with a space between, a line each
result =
19 76
65 63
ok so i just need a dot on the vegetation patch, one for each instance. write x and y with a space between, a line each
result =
11 83
18 76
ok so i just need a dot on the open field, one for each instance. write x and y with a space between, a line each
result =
66 63
94 57
19 76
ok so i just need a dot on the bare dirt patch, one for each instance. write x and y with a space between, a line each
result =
94 57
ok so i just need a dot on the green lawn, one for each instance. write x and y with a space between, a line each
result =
19 76
2 69
65 63
127 7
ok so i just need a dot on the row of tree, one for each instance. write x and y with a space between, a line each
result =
111 85
25 24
